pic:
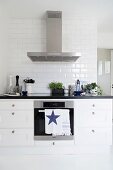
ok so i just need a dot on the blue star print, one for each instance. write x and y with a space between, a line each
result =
52 118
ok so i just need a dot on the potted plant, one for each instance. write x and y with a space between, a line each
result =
93 89
56 88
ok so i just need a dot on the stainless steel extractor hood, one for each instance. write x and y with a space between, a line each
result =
53 42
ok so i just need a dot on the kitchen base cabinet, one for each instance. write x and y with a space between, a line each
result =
54 147
92 125
16 137
56 143
93 122
94 113
93 136
16 122
17 104
17 119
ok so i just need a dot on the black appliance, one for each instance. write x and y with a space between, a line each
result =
39 119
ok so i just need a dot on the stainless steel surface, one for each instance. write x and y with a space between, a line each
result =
44 57
41 110
53 137
54 42
54 31
39 104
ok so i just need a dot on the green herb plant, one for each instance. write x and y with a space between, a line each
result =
56 85
92 86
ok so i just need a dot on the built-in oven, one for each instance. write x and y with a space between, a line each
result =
39 119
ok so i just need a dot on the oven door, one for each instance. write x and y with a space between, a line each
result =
39 125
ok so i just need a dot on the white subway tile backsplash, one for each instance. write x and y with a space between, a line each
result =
29 34
75 70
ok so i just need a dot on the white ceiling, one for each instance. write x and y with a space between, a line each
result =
101 9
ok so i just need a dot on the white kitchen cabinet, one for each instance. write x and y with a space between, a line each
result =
16 122
94 112
55 147
16 119
93 121
61 143
16 137
92 124
96 136
15 104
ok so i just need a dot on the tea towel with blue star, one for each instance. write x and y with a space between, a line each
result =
57 122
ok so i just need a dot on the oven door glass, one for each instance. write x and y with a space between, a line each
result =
39 121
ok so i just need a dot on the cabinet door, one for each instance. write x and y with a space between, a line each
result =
57 143
96 136
16 137
94 103
92 112
55 147
16 104
16 119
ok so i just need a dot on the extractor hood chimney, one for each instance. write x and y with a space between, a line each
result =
54 42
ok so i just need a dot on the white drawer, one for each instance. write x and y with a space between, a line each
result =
62 143
16 119
95 136
16 105
94 104
16 137
98 118
99 115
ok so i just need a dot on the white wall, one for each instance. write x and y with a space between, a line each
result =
105 29
104 79
111 72
3 49
26 32
105 40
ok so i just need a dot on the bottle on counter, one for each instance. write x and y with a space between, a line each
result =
17 85
69 90
17 88
77 86
10 88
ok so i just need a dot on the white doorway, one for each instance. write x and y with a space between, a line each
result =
112 72
104 70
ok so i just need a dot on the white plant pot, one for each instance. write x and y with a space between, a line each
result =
29 87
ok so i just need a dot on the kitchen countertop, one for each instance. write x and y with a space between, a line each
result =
48 96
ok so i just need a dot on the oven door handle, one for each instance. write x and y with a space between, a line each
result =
41 110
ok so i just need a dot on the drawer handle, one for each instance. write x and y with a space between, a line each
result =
93 105
13 113
13 105
93 131
93 113
13 131
53 143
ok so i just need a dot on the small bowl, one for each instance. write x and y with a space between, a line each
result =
77 93
24 93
